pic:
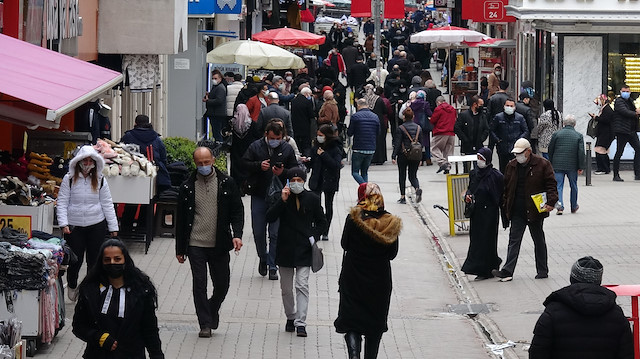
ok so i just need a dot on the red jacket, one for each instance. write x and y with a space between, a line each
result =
443 120
254 105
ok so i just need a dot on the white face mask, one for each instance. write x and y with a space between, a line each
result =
296 187
521 158
215 82
498 73
289 78
482 163
86 168
509 110
320 139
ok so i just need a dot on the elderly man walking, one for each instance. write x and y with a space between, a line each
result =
364 127
566 153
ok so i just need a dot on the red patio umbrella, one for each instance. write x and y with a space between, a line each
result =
289 37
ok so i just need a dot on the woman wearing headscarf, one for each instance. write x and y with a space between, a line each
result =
421 113
85 211
604 134
550 122
329 111
242 137
377 106
115 314
486 185
370 242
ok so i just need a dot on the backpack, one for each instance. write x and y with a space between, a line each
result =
414 152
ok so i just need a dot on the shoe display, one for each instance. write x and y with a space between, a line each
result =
72 293
402 200
289 327
301 331
262 268
575 209
542 275
205 333
503 275
273 274
418 195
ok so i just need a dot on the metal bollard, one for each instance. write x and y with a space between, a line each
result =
587 170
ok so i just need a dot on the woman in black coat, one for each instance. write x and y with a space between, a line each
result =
486 185
110 329
370 242
405 134
326 162
604 135
301 224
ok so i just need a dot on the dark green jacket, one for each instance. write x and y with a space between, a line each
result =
566 150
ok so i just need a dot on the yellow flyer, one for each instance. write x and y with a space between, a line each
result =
540 199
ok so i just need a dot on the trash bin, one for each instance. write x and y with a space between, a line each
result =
457 184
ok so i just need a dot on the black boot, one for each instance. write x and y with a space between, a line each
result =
371 346
354 344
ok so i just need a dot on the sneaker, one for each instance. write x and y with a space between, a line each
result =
418 195
442 168
559 212
273 274
402 200
503 275
301 331
72 293
324 237
617 179
575 209
289 327
480 277
599 173
205 333
262 268
542 275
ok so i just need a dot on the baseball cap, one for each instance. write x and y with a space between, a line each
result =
521 145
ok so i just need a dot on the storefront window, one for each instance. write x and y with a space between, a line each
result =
624 62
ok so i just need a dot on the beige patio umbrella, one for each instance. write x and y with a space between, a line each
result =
255 54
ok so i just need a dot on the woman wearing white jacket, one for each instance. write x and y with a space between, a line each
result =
85 211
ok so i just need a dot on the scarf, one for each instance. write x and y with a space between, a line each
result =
490 179
371 97
241 121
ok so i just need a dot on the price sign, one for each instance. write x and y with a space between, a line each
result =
20 223
493 10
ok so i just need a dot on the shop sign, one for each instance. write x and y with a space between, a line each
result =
228 6
20 223
486 11
201 7
62 19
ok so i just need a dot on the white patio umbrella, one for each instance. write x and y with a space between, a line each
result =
255 54
451 36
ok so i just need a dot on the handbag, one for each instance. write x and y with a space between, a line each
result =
317 258
592 126
274 191
469 207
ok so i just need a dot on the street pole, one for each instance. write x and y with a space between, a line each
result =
376 9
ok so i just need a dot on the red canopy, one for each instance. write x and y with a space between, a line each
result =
289 37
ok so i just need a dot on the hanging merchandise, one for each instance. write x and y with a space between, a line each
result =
143 71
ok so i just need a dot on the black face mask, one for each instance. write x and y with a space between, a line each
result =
114 270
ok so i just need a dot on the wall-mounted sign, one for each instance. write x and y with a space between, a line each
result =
201 7
486 11
228 6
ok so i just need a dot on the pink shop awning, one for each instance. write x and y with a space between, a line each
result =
39 86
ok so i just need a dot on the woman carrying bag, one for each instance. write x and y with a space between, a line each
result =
408 134
85 211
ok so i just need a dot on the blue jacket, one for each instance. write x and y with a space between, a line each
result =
506 130
144 137
364 127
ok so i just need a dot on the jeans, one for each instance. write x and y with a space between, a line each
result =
218 262
259 225
295 310
518 225
216 125
403 164
328 206
623 139
360 165
84 239
573 183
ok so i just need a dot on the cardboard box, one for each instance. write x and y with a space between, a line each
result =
133 190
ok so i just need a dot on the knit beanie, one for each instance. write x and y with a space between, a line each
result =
586 270
297 172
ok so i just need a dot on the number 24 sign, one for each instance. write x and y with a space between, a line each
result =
493 10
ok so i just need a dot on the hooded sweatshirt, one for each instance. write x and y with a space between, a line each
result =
582 321
78 204
144 137
443 120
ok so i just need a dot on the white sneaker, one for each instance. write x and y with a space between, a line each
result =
72 293
599 172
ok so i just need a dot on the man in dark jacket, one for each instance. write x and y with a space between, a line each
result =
358 74
149 141
582 320
496 105
432 93
209 223
526 175
523 108
265 158
472 129
302 116
364 127
506 128
625 122
273 110
216 103
566 154
302 221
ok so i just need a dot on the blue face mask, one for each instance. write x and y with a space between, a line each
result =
205 170
625 95
274 143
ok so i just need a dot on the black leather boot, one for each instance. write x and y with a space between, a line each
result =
371 346
354 344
